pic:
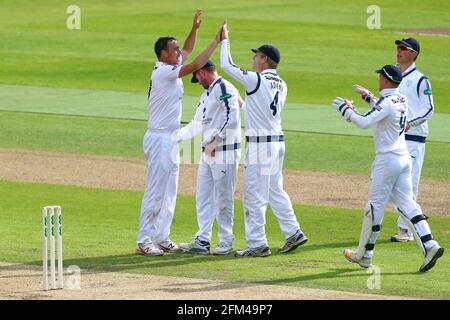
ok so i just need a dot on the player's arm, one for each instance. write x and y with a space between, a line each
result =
189 43
193 128
425 103
240 100
202 58
347 110
248 79
377 113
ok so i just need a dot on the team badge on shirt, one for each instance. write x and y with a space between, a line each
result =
225 96
378 104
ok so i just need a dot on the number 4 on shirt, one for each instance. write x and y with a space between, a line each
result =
273 105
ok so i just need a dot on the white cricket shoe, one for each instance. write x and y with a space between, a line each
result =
148 249
223 249
403 235
293 242
168 246
431 257
350 255
263 251
197 246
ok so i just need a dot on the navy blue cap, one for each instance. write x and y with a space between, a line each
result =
410 43
208 64
270 51
392 73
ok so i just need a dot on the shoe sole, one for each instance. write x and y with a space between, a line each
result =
350 260
364 266
264 255
143 253
258 256
169 250
223 253
432 262
252 256
295 246
204 253
394 239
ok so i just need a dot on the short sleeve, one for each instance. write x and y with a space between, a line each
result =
167 72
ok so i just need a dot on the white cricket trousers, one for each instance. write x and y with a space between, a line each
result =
417 152
391 179
216 184
158 202
263 184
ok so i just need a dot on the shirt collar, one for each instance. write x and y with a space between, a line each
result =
213 84
409 70
389 91
269 71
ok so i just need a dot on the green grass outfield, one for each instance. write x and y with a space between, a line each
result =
130 105
325 48
308 151
100 228
100 74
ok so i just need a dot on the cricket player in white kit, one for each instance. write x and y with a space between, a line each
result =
160 143
417 88
263 181
391 170
218 118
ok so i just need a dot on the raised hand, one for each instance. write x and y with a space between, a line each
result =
219 37
360 89
225 29
365 93
197 22
344 107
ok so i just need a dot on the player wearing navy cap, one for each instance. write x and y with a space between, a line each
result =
218 119
417 88
391 170
266 94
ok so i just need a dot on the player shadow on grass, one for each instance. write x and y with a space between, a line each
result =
205 286
331 245
132 262
332 274
311 246
129 262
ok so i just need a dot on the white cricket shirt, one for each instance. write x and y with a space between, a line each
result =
164 98
388 116
217 115
417 88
